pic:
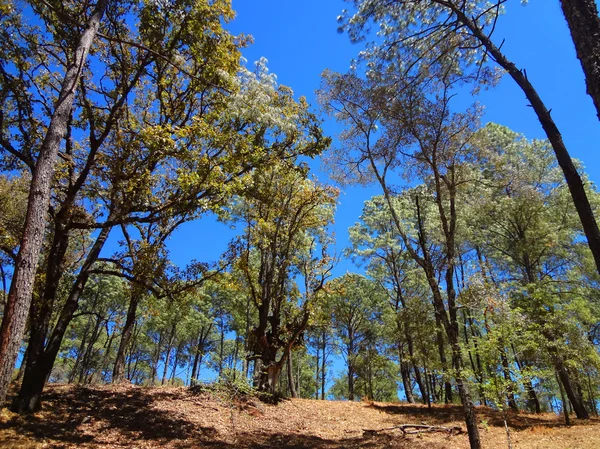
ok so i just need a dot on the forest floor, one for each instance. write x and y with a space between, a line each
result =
138 417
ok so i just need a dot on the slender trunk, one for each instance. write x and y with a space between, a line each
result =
104 365
221 348
168 353
298 384
246 337
290 375
175 363
510 395
427 386
563 401
119 368
442 353
21 289
87 356
323 364
21 373
416 369
317 369
405 373
156 359
584 24
80 351
533 402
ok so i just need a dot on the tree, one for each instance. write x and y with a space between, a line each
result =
527 232
285 217
456 37
420 135
19 297
355 305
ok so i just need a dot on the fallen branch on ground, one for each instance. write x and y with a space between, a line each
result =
411 429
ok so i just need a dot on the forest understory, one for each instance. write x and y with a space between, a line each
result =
174 417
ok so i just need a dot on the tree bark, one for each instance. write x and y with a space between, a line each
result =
20 294
584 25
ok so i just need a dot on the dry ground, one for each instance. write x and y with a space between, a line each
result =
137 417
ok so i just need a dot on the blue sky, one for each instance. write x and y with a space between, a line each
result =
300 40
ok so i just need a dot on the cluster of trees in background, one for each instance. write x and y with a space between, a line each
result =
481 255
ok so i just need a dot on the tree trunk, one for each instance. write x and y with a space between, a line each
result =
584 24
350 381
576 187
290 376
168 353
87 356
119 368
323 365
20 294
512 403
156 359
405 373
40 363
571 392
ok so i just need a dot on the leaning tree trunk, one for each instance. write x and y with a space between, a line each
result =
574 182
20 294
572 392
584 24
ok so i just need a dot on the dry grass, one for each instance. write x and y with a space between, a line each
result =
135 417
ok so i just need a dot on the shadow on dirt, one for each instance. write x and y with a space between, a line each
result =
134 420
451 413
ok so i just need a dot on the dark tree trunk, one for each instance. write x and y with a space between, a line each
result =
119 368
442 353
317 370
80 352
156 359
168 353
563 401
200 348
87 356
323 365
290 375
533 403
175 363
20 294
510 396
571 391
584 24
576 187
405 373
350 381
40 363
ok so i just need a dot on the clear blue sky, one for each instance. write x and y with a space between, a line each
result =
300 40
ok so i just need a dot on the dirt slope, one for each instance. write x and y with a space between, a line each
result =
135 417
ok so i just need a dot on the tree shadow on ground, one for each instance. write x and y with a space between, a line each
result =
130 415
130 412
452 413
